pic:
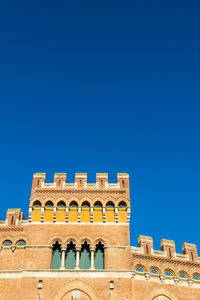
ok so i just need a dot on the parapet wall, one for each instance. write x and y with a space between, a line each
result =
60 183
168 250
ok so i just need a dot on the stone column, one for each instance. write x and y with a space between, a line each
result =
116 214
104 214
128 214
91 214
30 213
62 266
67 214
92 249
42 213
78 250
54 213
79 214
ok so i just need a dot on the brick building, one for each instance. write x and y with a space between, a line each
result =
75 245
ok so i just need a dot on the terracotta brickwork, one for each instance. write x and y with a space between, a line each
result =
94 216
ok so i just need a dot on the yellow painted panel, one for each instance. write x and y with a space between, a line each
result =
36 215
85 215
122 216
48 215
97 216
110 216
60 215
73 216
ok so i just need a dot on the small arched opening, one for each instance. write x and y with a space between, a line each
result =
48 212
98 212
122 208
36 211
56 256
110 212
60 211
85 257
70 257
99 257
85 212
73 211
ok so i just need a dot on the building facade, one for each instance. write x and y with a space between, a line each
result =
75 245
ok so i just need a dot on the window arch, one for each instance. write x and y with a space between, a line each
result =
70 256
110 212
73 211
99 257
61 211
48 205
56 256
122 205
7 244
85 205
48 211
61 205
183 275
169 273
122 208
85 258
37 205
140 269
196 277
154 271
20 244
85 211
36 213
98 212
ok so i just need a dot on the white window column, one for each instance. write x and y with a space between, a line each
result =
30 213
92 249
42 213
78 250
62 265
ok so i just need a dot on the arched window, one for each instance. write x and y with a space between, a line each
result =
85 259
48 212
169 273
183 275
98 212
73 211
70 257
140 269
56 256
7 244
99 257
61 205
110 212
36 213
154 271
85 212
20 244
122 208
61 212
196 276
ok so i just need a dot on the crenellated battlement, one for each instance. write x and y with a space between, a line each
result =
60 183
167 251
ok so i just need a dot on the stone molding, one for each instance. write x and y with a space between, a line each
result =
161 290
73 285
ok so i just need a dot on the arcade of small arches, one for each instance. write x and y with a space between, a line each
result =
82 257
75 213
168 273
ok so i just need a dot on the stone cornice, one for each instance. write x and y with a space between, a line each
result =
82 191
166 260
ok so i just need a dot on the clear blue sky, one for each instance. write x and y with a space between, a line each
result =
105 86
